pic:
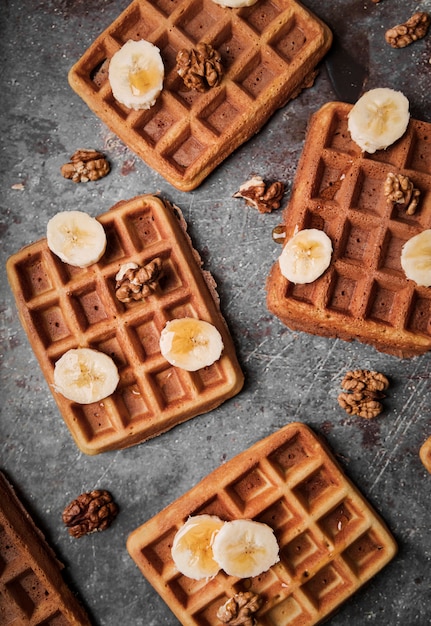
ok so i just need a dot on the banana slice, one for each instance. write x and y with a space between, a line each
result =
84 375
235 4
192 547
76 237
245 548
416 258
190 343
306 256
136 74
378 119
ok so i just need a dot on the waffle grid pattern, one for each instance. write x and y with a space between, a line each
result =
32 591
331 541
267 51
62 307
365 293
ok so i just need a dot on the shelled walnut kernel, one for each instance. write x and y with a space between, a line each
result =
264 197
86 165
240 609
134 282
399 189
90 512
404 34
363 390
200 67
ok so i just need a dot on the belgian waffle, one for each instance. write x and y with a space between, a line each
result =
425 454
63 307
331 541
364 294
269 53
32 589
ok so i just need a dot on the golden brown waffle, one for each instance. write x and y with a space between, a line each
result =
63 307
425 454
32 590
364 294
269 53
331 541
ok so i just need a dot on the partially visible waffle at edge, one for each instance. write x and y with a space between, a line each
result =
32 589
269 53
364 294
331 540
425 454
63 307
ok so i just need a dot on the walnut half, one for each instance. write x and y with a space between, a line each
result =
363 390
134 282
404 34
240 609
264 197
90 512
86 165
201 67
399 189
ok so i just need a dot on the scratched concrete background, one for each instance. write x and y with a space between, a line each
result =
289 375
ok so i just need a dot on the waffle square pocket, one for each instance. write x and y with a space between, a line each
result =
331 540
63 307
269 53
364 294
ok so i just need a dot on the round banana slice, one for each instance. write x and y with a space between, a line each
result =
84 375
192 547
306 256
245 548
235 4
136 74
378 119
76 237
190 343
416 258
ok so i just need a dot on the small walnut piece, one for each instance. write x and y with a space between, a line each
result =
399 189
262 196
90 512
86 165
201 67
363 390
404 34
239 610
136 282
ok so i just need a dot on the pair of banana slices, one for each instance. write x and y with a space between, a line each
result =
242 548
85 375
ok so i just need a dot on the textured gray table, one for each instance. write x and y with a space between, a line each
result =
289 376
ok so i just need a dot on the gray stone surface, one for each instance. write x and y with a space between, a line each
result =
289 375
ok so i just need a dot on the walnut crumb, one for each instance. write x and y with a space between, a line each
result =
201 67
262 196
86 165
240 609
415 28
90 512
363 390
399 189
134 282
